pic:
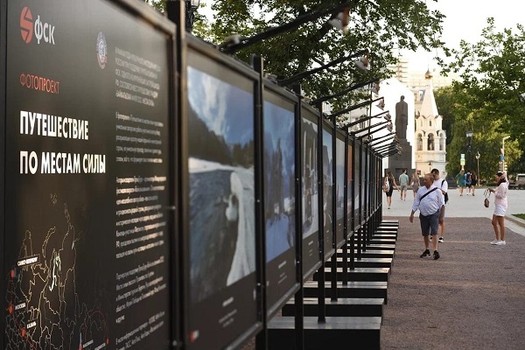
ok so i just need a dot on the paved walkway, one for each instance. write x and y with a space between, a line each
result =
466 207
473 297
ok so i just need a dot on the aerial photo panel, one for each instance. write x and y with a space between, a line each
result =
328 212
279 198
340 188
222 207
310 195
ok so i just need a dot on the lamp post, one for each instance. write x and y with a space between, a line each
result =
469 137
503 168
191 7
477 159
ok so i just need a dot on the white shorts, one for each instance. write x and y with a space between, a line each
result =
500 210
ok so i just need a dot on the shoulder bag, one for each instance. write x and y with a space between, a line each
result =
486 201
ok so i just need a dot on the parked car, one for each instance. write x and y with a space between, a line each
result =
517 182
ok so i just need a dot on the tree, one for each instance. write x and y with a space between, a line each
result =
455 105
383 27
492 88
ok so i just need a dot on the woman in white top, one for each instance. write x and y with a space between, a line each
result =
500 208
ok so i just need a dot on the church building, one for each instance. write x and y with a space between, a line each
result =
430 138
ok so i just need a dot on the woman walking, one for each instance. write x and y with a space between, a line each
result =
461 181
414 183
474 177
389 182
500 208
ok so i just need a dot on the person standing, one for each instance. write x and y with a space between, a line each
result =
431 205
474 182
442 184
389 183
403 184
414 183
500 208
468 181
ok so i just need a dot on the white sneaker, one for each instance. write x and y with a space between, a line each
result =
501 243
495 242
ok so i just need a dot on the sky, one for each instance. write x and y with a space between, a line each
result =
465 19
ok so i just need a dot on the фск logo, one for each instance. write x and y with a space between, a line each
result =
26 24
42 31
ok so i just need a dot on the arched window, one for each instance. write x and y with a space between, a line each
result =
419 142
442 142
430 142
430 123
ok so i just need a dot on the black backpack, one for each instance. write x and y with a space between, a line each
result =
446 193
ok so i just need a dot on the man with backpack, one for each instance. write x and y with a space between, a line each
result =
442 184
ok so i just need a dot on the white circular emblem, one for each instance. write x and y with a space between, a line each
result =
102 50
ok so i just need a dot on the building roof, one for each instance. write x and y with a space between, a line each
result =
428 107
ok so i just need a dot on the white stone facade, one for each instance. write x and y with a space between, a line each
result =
430 138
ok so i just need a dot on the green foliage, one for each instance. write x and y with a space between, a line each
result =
383 27
487 100
455 106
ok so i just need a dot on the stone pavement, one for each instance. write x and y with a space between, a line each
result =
473 297
465 207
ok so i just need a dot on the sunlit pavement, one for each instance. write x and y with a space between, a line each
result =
466 206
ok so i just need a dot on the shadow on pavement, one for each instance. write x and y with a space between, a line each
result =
473 297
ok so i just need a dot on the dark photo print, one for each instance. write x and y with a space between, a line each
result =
309 173
328 211
340 187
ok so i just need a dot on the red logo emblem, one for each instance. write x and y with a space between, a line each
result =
26 24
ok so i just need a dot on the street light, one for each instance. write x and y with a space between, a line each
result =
469 137
191 7
503 153
477 159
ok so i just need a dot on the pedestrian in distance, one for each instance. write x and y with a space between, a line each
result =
414 183
474 177
468 181
403 184
389 182
431 205
461 181
442 184
500 208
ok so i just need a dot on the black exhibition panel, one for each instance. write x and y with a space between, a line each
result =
350 185
3 39
280 197
327 182
86 237
340 188
378 182
221 296
371 190
363 181
309 174
357 184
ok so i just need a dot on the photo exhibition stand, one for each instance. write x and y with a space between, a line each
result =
160 193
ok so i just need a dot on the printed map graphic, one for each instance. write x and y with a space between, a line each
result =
44 310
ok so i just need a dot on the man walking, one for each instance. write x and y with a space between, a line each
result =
431 205
442 184
403 184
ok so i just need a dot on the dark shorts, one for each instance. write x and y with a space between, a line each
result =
429 224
